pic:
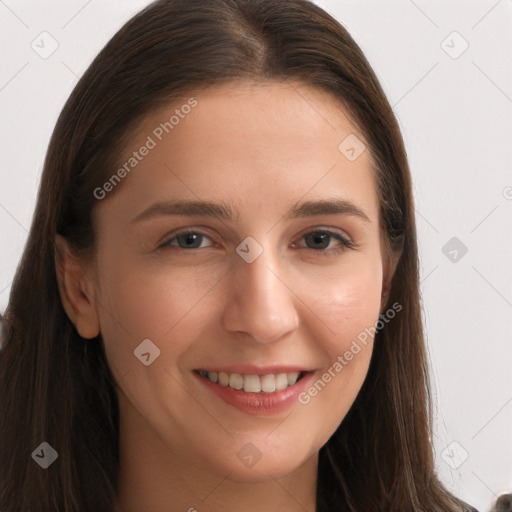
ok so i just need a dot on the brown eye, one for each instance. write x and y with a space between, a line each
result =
186 240
321 239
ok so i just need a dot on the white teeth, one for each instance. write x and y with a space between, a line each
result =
281 381
236 381
253 383
268 383
223 379
292 378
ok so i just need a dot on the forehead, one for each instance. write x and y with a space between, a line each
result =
249 144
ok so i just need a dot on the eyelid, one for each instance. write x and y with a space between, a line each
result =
342 237
345 241
184 231
327 229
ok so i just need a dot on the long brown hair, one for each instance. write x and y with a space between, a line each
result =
56 387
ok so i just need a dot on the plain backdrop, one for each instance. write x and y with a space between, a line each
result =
446 67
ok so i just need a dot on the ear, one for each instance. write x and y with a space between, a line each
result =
390 264
76 290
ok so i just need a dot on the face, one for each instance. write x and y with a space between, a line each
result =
280 277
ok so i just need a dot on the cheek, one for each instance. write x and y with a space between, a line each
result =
348 306
346 300
335 304
155 304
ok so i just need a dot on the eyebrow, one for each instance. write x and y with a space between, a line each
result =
223 211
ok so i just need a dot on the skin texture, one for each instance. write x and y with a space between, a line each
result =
260 148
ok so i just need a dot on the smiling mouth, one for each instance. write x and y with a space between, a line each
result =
249 383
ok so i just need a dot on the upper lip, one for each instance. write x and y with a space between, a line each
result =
252 369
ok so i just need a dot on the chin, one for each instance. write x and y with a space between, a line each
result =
248 464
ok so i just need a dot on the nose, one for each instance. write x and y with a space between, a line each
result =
261 302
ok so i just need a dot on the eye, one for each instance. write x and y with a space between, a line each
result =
186 240
320 240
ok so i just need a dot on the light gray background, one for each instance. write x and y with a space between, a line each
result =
456 118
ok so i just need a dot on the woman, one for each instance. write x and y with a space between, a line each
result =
277 365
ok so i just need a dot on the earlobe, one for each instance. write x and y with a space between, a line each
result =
76 290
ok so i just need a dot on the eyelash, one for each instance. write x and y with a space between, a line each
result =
346 244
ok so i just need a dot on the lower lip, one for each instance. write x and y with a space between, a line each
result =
260 404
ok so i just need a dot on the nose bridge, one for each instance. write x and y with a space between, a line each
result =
261 305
